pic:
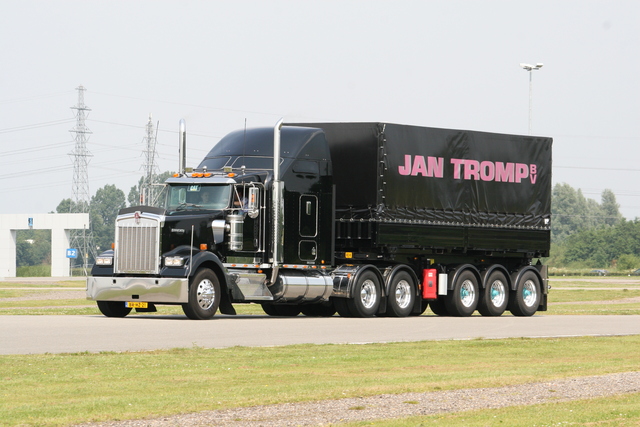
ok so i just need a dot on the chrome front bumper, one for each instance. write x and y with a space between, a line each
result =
147 289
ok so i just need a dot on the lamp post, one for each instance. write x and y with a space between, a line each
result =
530 68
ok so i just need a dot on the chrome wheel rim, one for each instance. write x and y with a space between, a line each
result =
403 294
529 293
368 294
498 293
206 294
467 293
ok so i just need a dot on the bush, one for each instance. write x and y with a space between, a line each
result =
628 262
41 270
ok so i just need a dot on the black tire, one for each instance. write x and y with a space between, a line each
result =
423 307
494 298
526 298
113 308
402 295
438 307
366 295
281 310
342 307
204 295
323 309
463 300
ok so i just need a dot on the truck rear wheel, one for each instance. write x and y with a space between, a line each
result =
281 310
366 295
322 309
526 298
495 296
402 295
463 300
204 295
342 307
113 308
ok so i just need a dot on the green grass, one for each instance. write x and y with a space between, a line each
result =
64 389
621 411
632 282
579 295
80 284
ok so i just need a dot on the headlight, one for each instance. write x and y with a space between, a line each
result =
173 261
104 261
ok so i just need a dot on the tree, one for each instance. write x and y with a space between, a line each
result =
610 208
105 205
572 212
33 247
134 193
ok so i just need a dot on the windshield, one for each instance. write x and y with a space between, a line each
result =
190 196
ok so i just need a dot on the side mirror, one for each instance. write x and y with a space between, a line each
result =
253 204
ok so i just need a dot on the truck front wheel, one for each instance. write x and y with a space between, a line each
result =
366 295
526 299
463 300
204 296
113 308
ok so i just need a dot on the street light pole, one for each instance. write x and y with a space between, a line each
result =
530 68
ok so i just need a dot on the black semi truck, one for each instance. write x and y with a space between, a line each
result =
361 219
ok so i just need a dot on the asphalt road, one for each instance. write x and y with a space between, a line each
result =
70 334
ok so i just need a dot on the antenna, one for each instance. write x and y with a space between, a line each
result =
81 239
244 143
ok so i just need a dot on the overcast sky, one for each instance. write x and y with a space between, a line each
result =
449 64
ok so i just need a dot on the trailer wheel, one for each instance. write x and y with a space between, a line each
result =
342 307
402 295
322 309
439 307
526 298
113 308
463 300
366 295
204 296
281 310
495 296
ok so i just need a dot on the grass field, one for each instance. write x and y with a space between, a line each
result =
69 388
64 389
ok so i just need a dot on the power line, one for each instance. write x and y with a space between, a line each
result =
31 98
36 126
190 105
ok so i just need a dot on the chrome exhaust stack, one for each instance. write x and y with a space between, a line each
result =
278 204
182 147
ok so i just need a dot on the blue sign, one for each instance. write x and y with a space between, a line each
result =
72 253
30 222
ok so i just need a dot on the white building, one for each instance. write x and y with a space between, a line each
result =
60 226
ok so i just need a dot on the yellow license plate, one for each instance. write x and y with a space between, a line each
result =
136 304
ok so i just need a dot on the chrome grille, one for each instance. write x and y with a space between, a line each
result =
137 246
